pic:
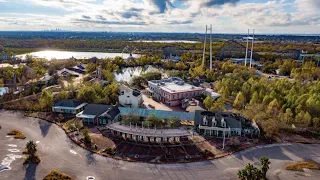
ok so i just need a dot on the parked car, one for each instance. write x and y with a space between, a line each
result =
151 106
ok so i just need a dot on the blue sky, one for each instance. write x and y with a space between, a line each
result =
227 16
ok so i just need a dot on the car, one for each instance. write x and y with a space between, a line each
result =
151 106
90 178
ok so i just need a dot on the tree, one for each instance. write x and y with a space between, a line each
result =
288 116
152 120
108 75
239 102
87 94
196 71
255 98
252 173
86 136
225 92
90 67
249 173
208 102
173 122
218 105
265 162
31 147
138 82
1 82
63 95
131 118
46 99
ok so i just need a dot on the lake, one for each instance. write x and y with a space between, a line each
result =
126 74
78 55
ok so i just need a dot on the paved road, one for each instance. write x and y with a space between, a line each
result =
58 152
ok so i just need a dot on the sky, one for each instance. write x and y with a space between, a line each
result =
226 16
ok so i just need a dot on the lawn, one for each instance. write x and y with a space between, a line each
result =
299 166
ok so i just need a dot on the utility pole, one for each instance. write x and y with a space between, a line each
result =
224 138
210 47
252 50
245 62
204 46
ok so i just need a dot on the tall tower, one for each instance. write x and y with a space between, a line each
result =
204 46
245 62
252 49
210 47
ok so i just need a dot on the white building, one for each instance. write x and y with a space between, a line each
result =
171 91
210 92
130 97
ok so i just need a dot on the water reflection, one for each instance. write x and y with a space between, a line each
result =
78 55
126 74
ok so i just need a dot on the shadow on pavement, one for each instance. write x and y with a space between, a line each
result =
30 172
44 127
279 153
90 158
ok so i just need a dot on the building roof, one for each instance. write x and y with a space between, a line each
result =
68 103
158 113
95 109
112 112
175 84
232 120
65 72
128 90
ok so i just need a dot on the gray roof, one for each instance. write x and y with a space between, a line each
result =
101 110
68 103
95 109
232 120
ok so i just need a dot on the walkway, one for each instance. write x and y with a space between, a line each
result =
58 152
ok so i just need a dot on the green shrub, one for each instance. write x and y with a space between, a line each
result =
56 175
110 151
34 159
17 134
299 166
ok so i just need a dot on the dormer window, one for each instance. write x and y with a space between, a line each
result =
214 122
223 122
205 121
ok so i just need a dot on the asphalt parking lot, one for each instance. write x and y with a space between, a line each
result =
58 152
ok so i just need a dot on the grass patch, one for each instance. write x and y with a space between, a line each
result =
17 134
32 159
56 175
110 151
299 166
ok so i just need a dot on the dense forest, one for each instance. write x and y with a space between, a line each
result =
19 46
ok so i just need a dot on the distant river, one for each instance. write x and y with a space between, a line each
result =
78 55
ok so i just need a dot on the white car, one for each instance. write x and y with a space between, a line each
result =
90 178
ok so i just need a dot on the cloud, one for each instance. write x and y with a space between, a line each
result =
100 17
109 22
219 2
162 5
86 17
169 15
180 22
